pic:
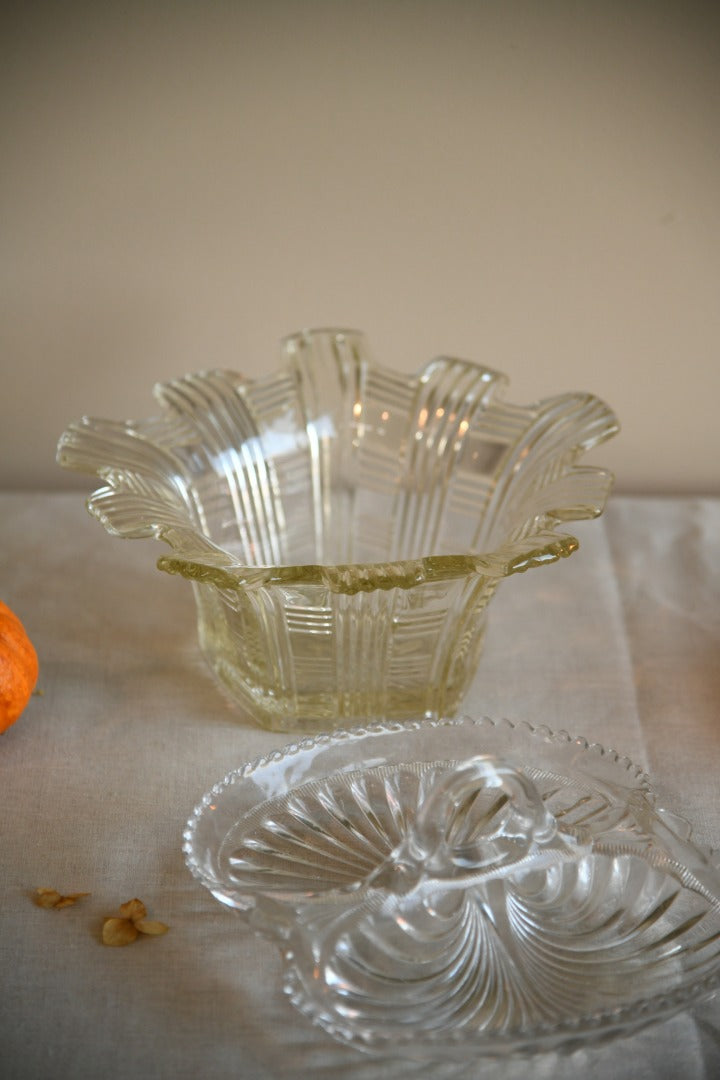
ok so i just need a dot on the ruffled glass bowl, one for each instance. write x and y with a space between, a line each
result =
446 889
344 526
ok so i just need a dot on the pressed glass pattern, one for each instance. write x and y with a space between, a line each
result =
444 889
344 526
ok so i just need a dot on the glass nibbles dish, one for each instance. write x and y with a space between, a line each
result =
344 526
447 889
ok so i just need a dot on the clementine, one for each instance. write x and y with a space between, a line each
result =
18 667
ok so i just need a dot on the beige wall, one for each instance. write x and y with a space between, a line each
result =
535 185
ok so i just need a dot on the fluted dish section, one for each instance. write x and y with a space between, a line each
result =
344 526
438 906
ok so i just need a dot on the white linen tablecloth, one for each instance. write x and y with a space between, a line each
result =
620 643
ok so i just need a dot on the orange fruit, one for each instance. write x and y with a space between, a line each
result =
18 667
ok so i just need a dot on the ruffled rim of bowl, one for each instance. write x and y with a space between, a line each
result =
146 492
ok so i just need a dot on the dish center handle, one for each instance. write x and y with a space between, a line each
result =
478 819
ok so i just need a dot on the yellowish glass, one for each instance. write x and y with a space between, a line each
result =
344 526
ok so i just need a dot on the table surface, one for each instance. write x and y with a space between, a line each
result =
619 643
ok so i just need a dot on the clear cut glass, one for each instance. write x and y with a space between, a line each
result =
345 526
446 889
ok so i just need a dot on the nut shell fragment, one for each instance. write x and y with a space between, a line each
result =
151 926
119 932
51 898
133 909
125 930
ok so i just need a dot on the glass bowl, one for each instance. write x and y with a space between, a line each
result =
448 889
344 526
